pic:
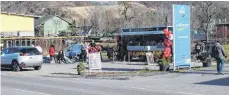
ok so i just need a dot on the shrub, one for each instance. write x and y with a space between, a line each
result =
226 47
81 68
157 54
164 61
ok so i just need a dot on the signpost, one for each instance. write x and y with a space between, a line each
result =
181 36
95 61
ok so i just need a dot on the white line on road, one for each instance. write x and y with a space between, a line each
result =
34 92
183 93
134 87
189 93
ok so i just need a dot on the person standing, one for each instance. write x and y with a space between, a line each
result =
92 44
61 56
219 54
85 46
83 54
52 52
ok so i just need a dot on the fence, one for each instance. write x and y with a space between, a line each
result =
45 42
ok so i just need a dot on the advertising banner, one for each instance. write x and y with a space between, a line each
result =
181 36
95 61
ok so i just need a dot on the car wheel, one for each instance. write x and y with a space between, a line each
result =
15 66
37 67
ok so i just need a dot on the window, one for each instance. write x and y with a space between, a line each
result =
5 51
150 29
135 30
28 43
17 43
170 28
9 43
161 28
13 50
126 30
30 51
23 43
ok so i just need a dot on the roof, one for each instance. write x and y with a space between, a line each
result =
42 20
142 33
21 47
18 14
223 24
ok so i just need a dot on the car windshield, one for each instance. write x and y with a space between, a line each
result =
30 51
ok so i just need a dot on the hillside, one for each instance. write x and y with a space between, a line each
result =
111 16
70 10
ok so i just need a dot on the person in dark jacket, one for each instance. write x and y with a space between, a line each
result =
83 54
219 55
110 53
61 56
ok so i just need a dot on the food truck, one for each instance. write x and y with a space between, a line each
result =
138 41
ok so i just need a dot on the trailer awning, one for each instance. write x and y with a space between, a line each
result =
142 33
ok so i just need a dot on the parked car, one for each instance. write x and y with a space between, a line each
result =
73 51
21 57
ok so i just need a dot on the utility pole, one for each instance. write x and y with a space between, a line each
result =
84 27
166 20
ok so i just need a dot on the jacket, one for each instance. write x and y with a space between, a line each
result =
221 51
51 51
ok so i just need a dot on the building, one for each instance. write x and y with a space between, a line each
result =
222 32
199 37
13 24
50 25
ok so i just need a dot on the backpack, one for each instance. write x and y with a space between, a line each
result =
214 52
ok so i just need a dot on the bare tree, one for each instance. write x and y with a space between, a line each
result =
222 10
125 10
111 22
94 17
205 13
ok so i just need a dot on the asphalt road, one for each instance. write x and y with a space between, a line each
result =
22 85
197 82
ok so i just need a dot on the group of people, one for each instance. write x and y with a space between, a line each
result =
57 58
86 49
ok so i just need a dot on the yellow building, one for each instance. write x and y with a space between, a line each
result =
13 24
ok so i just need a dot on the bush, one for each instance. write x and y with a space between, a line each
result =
164 61
226 47
81 68
157 55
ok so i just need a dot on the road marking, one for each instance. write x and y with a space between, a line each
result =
34 92
183 93
135 87
189 93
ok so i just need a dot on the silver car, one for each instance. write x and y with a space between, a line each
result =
21 57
